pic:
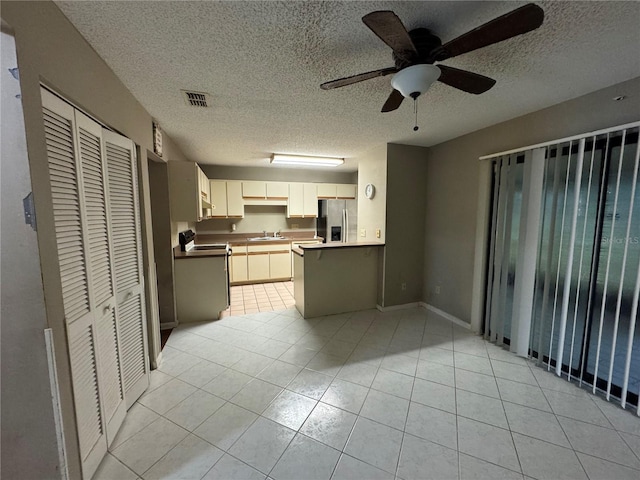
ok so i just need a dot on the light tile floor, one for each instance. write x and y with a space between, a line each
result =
370 395
260 297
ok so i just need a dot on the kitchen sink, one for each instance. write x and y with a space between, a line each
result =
258 239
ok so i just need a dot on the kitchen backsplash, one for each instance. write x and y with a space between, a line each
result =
256 219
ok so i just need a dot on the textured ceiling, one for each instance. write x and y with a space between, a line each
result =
262 63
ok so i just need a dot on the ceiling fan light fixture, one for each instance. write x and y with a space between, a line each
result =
305 161
413 81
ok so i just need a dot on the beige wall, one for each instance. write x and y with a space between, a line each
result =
372 168
29 447
452 179
278 174
161 216
405 220
51 51
256 219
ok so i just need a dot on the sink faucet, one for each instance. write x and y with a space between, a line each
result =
276 234
264 233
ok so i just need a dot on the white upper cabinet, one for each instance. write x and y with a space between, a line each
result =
310 207
303 200
218 198
226 197
278 190
254 189
336 190
235 204
346 191
327 190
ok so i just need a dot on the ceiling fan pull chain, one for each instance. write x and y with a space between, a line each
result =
415 112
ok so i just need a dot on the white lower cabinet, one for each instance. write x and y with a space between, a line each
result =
238 268
258 266
280 264
261 263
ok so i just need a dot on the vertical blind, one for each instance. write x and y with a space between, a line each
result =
563 276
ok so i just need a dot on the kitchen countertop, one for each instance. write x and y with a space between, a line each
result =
322 246
240 239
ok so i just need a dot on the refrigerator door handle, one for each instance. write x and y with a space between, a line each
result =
345 225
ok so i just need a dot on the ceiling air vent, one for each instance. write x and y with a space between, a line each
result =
196 99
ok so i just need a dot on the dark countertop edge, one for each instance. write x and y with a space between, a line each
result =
177 253
321 246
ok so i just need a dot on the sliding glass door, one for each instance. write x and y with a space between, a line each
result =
564 259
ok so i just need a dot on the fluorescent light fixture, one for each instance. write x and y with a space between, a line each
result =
300 160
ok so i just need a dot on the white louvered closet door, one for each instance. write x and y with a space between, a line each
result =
70 231
100 260
127 243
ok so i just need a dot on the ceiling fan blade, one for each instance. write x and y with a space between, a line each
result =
343 82
389 28
393 102
519 21
466 81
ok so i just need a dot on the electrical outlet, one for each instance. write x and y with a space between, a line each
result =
403 286
437 289
363 232
377 233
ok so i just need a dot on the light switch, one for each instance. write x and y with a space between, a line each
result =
363 232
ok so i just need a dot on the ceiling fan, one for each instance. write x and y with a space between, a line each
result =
416 51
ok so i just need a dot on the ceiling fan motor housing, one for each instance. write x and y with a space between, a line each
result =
427 44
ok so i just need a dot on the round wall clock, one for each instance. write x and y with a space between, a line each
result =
369 191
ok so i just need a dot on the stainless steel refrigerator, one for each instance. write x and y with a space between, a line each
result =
338 220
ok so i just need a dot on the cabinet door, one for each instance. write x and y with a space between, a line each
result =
203 194
253 189
295 204
130 300
310 207
277 190
239 268
218 198
258 266
235 204
280 265
327 190
204 185
346 191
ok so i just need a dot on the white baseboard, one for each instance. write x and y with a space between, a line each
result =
398 307
446 315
